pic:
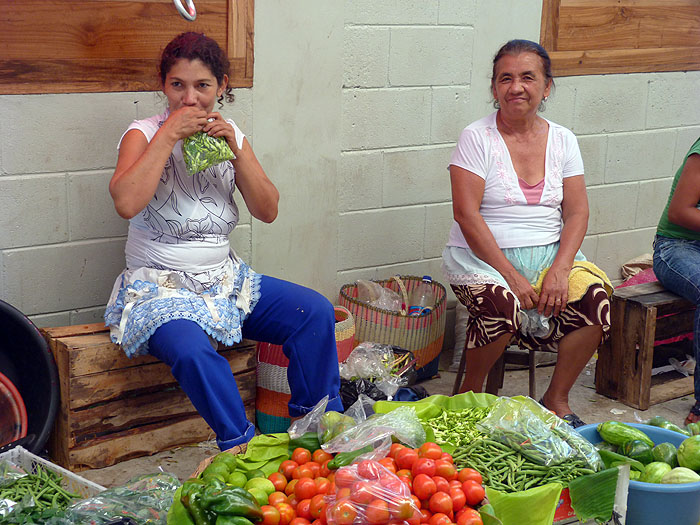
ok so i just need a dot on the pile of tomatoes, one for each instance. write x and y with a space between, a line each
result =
409 486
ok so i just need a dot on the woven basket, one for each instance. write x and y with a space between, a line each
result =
272 394
421 335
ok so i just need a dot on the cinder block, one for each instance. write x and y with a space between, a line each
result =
604 103
147 104
615 249
451 113
371 12
91 212
438 221
63 276
87 315
612 207
240 111
672 100
34 210
380 237
416 176
593 151
430 56
67 132
56 319
366 57
639 156
651 201
242 241
376 118
589 247
360 180
561 104
457 12
686 138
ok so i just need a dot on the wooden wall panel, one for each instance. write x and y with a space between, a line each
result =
63 46
586 37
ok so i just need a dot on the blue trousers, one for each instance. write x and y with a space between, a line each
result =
677 266
298 318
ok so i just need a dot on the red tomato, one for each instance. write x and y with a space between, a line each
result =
345 477
474 492
423 466
278 480
289 489
323 486
447 457
459 499
305 488
393 485
440 502
343 513
377 512
441 483
405 458
416 502
445 469
439 519
401 508
395 447
303 509
317 522
300 521
317 506
362 492
455 484
270 515
302 471
293 501
469 517
415 518
287 467
301 455
315 468
404 472
430 450
287 513
324 470
389 464
320 456
424 487
469 473
343 493
277 497
369 469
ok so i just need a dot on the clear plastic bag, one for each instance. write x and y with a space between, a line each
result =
145 499
310 422
367 492
537 433
403 423
368 361
201 151
378 296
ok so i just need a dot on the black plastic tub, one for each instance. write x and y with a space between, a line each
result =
26 360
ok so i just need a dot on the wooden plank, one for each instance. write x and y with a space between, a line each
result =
141 441
549 24
611 354
672 389
115 416
101 387
674 325
55 46
77 329
637 289
602 62
640 324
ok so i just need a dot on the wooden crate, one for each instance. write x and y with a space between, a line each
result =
113 408
641 315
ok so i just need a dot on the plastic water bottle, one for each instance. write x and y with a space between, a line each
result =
422 298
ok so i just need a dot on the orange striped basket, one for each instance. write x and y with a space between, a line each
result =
272 393
421 335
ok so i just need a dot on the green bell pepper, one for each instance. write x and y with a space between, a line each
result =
230 501
192 491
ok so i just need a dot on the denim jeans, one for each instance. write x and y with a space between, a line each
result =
677 266
298 318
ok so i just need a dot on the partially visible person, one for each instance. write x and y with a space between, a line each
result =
184 290
521 212
677 250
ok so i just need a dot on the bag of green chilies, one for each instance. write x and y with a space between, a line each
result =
201 151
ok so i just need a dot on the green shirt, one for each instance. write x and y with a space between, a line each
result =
666 228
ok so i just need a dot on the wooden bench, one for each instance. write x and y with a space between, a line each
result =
113 408
641 315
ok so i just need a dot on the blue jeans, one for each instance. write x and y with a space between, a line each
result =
298 318
677 266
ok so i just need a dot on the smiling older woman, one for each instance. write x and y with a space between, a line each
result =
520 215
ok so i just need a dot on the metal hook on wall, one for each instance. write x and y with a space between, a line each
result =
189 12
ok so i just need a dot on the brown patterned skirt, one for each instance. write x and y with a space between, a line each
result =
493 312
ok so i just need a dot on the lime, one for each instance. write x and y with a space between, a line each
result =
260 496
260 483
237 478
207 477
227 459
216 468
255 473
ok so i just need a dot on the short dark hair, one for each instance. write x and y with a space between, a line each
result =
193 46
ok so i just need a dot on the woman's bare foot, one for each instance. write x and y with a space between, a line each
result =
694 415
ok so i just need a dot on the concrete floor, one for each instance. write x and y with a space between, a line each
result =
590 407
